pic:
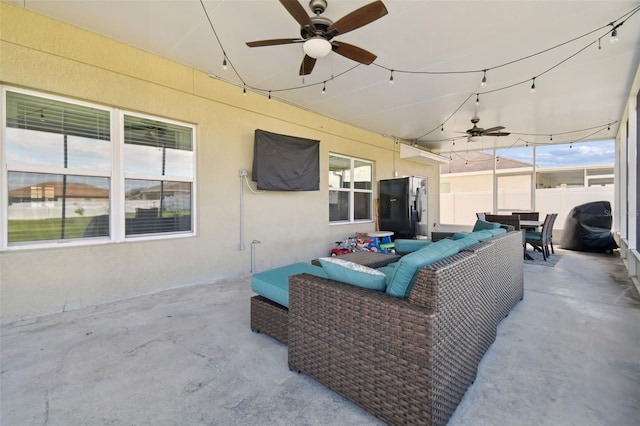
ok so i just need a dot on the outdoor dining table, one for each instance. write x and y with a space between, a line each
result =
531 224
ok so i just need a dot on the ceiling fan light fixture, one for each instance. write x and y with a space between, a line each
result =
474 139
317 47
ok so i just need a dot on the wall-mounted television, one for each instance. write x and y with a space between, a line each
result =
285 163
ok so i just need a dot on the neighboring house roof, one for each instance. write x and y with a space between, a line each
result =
73 190
476 161
168 187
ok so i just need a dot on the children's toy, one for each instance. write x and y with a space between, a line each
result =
352 244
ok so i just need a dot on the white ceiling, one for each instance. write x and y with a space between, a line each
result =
587 91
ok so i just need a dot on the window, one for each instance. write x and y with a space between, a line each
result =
158 157
350 189
62 179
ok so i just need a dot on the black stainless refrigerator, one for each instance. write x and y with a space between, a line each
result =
403 205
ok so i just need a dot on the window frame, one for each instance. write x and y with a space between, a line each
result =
116 175
352 190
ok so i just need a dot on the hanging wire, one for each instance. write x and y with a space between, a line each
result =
614 24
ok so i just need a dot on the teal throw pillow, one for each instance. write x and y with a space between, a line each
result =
401 280
353 273
483 224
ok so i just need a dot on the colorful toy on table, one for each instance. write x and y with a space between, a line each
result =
352 244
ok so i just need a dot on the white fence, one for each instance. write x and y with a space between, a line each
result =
460 208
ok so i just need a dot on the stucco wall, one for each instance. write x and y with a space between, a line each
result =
42 54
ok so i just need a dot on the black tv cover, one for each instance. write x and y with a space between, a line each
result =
285 163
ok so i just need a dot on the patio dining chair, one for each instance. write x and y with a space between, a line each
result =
542 240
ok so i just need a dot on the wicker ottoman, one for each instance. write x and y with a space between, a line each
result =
269 318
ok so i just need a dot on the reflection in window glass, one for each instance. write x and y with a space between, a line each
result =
338 206
342 171
339 172
157 148
45 207
363 173
153 206
362 205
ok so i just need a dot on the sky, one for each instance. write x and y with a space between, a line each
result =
565 155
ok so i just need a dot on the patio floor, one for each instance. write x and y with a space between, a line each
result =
568 354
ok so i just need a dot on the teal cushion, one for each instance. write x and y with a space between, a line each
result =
408 246
466 242
353 273
274 283
483 224
388 271
481 235
497 231
460 235
401 280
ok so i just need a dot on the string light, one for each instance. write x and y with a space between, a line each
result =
442 127
608 127
551 138
533 85
324 87
484 78
614 33
224 62
269 94
244 90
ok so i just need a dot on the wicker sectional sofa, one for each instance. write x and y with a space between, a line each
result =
405 360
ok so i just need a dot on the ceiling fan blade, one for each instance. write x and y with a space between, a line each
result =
496 133
493 129
307 65
354 53
274 42
296 10
358 18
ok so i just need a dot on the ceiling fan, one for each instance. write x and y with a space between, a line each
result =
317 32
475 133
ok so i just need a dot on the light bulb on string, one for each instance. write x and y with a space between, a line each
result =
442 127
244 90
484 78
599 44
224 63
533 85
551 138
391 78
324 87
477 98
614 35
608 127
269 94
